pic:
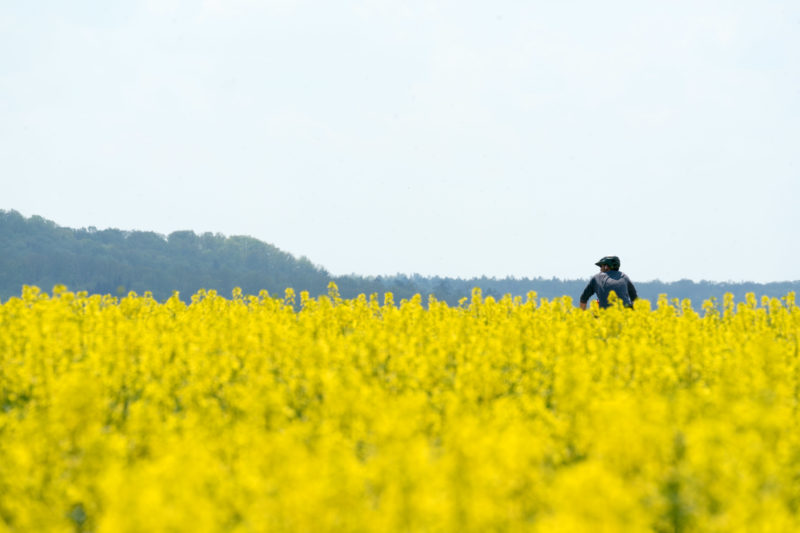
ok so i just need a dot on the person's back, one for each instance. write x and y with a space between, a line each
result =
607 280
613 280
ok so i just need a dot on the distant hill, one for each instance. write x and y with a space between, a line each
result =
36 251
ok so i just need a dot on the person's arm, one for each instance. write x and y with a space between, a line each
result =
631 290
587 293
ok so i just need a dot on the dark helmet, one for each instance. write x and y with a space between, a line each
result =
611 260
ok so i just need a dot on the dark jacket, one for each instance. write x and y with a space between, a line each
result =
604 282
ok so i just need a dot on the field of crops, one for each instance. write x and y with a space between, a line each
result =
262 413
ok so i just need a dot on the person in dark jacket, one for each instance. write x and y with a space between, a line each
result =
609 279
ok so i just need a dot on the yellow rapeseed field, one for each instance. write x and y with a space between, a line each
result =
262 413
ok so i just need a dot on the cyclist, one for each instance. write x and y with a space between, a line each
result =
609 279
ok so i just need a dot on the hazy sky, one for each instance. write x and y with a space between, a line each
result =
453 138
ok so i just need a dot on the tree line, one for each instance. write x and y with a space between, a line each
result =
36 251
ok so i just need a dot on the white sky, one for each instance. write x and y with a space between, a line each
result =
452 138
